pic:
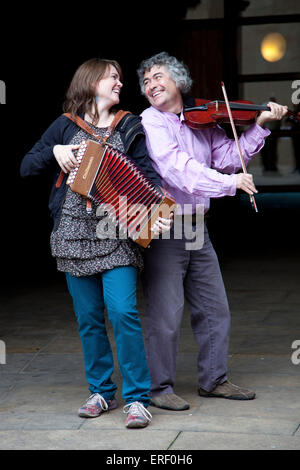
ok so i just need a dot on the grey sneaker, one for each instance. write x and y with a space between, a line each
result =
169 401
137 415
95 405
229 391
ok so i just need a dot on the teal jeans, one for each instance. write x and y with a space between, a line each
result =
115 289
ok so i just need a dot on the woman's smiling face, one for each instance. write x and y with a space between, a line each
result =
109 87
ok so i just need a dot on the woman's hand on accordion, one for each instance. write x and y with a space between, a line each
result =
65 157
162 225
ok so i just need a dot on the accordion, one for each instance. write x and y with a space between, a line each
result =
111 180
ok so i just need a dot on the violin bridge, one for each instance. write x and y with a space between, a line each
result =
217 106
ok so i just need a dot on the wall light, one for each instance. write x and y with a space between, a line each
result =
273 47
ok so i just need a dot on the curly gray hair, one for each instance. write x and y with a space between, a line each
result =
178 71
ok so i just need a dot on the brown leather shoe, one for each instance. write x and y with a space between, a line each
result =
169 401
228 390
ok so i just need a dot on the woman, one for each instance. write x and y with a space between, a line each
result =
99 272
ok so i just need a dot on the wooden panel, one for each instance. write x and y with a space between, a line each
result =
201 51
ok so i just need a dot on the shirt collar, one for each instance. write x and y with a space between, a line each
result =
171 116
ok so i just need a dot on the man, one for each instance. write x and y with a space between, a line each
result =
194 166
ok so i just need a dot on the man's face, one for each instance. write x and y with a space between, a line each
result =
161 90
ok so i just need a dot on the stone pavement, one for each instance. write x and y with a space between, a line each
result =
43 384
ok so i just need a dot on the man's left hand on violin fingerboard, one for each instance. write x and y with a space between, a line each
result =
276 113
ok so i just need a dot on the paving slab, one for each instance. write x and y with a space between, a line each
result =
201 421
234 441
80 439
42 420
264 363
236 424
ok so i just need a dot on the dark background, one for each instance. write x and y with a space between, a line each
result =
40 53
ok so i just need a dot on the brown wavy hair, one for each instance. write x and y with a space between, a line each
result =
80 97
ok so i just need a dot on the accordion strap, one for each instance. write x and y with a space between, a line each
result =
83 124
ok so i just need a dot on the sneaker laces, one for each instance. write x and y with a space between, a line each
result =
95 399
136 409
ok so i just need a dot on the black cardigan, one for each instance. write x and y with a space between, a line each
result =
40 159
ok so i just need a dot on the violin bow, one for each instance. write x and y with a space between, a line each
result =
252 199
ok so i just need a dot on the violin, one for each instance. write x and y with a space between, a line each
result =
207 113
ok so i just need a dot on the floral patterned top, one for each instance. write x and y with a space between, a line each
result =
76 244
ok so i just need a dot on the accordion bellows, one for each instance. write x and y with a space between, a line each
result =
111 180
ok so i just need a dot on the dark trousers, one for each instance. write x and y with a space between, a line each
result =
172 274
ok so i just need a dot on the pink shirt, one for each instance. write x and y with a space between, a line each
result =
196 165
